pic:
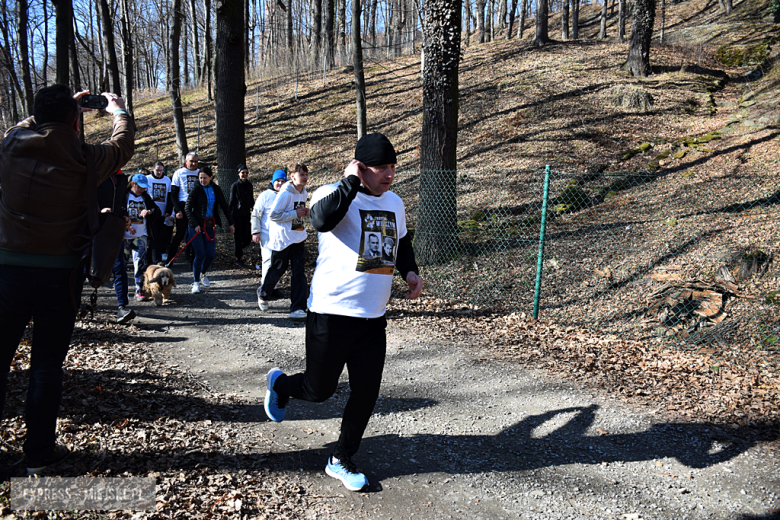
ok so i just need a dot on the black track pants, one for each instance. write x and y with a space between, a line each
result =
333 341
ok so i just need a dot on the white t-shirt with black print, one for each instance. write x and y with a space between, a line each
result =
186 180
135 205
356 259
158 190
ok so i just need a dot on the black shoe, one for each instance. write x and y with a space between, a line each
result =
124 315
38 467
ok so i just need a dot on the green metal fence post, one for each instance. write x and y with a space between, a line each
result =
540 260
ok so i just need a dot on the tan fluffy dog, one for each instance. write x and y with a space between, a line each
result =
158 282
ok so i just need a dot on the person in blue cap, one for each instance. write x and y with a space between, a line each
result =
141 209
261 214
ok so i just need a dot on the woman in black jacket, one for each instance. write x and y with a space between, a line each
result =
202 215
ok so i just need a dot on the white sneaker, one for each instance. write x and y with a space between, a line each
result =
204 280
298 315
195 287
263 304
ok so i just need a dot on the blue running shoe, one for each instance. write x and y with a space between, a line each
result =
275 404
346 471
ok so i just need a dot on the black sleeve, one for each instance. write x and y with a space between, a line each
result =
223 203
192 200
328 211
175 198
233 197
169 203
152 206
405 260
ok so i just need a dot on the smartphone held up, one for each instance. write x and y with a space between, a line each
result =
95 101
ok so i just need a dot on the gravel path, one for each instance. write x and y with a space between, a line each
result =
456 433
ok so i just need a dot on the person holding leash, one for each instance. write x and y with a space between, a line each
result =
346 320
202 215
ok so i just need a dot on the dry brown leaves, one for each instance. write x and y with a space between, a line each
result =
734 388
123 414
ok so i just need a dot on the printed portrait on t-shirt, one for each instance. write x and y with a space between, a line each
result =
388 250
134 209
192 181
297 223
378 228
159 191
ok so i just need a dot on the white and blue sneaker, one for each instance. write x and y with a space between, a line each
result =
275 404
346 471
204 281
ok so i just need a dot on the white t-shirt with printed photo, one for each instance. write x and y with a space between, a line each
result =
135 205
353 277
186 180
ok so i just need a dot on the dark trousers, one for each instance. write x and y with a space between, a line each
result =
181 232
333 341
120 278
243 236
295 256
161 239
47 296
205 247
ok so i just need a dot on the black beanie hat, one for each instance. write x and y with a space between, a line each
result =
242 167
375 150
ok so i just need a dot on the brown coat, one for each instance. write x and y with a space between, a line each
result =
43 200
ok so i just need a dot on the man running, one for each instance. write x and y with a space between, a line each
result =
346 320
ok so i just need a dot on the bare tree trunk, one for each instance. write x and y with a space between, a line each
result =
185 43
662 36
541 36
109 47
502 15
480 20
489 18
729 6
229 91
603 27
21 9
208 61
127 49
64 22
643 16
575 19
511 25
342 32
246 33
621 21
357 64
195 44
9 61
374 7
521 27
467 13
289 30
45 71
174 82
437 224
328 14
565 20
316 22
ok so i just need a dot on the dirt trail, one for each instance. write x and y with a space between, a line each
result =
457 434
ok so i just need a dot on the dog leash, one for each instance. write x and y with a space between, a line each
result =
182 249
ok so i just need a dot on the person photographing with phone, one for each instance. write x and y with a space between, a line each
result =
44 231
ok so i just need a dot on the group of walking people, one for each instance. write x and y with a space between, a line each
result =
44 247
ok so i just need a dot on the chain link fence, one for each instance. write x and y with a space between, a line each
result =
667 256
670 256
